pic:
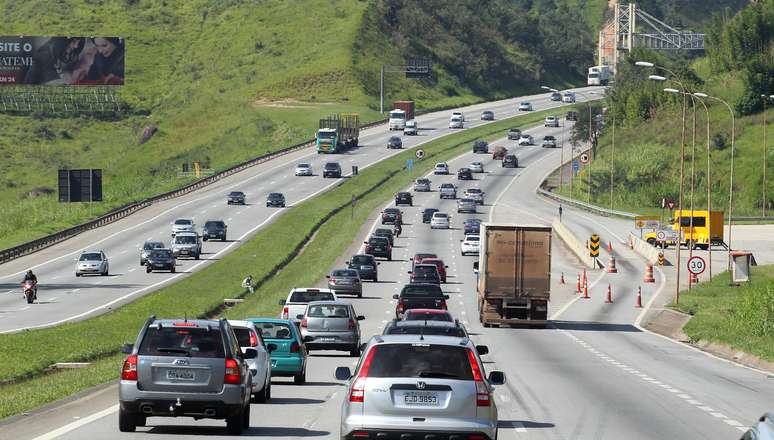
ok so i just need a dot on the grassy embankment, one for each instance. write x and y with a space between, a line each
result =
23 368
740 317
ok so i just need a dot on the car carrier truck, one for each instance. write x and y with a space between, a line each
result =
514 278
338 133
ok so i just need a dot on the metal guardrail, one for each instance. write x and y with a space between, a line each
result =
49 240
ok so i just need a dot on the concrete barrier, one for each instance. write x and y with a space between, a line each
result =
574 244
645 250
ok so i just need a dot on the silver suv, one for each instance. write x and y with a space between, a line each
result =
416 386
186 368
331 325
187 244
448 191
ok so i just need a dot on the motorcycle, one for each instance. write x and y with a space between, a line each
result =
29 291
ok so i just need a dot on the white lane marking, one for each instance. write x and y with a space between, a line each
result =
75 290
77 424
718 415
132 269
53 298
124 251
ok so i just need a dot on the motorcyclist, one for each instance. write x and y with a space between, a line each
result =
29 276
247 283
396 228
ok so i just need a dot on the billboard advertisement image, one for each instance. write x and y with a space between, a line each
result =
60 61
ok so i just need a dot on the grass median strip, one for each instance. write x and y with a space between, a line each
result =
25 356
740 317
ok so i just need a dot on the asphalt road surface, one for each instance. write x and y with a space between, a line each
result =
63 297
593 374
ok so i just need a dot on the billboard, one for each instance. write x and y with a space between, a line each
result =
80 185
60 61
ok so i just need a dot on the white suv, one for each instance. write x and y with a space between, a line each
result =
551 121
441 168
401 379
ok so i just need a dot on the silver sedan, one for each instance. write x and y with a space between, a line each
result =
92 262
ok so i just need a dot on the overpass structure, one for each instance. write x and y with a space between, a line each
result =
632 27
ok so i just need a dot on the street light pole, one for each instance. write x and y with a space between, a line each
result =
381 90
612 158
765 153
709 190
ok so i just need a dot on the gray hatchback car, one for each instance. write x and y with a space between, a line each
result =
420 387
345 281
331 325
186 368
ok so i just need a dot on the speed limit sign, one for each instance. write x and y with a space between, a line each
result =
584 158
696 265
420 153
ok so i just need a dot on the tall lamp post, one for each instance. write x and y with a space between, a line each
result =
561 152
731 178
709 188
591 144
765 153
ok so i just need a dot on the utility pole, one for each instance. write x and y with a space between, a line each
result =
691 244
381 90
612 159
765 201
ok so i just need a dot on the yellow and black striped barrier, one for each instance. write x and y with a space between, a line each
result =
594 246
660 258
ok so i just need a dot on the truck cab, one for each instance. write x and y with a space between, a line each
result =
397 119
326 140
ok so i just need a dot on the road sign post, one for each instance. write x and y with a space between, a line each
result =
420 153
409 164
594 247
696 265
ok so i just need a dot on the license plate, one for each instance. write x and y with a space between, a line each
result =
183 252
180 374
326 339
273 363
366 267
414 398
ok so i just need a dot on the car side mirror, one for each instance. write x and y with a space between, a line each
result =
127 348
460 242
446 267
343 373
446 297
496 377
395 296
365 242
328 276
482 349
360 317
378 264
408 271
271 347
363 346
249 353
300 316
282 302
308 339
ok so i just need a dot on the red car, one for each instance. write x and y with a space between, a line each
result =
419 257
499 153
427 315
439 264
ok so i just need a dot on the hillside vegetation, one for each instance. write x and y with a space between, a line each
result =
224 81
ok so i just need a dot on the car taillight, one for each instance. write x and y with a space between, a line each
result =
442 304
401 306
333 280
285 312
357 393
294 347
129 371
303 323
232 375
482 391
351 324
253 339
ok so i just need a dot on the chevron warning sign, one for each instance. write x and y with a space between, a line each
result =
594 245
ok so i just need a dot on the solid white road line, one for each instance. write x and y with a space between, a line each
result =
77 424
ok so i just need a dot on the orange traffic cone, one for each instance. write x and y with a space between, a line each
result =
561 280
631 243
610 246
639 298
586 290
583 279
611 265
578 286
609 294
649 274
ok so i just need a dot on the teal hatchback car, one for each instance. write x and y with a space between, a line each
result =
289 359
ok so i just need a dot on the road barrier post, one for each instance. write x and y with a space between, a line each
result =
611 265
639 298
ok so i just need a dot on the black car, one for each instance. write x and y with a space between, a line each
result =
571 116
556 96
471 226
394 142
366 265
390 215
404 198
235 198
464 174
487 115
160 259
480 147
275 199
514 134
427 214
332 169
420 296
379 247
215 229
384 232
510 161
425 273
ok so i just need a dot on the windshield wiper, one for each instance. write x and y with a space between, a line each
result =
439 374
173 350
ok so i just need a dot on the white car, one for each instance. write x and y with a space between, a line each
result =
476 167
422 185
475 194
441 168
440 220
249 337
568 97
525 106
526 139
459 114
183 225
456 122
304 169
411 128
92 262
470 245
551 121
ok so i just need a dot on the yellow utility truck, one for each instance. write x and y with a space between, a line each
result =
697 229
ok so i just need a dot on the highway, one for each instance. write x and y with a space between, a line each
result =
593 374
63 297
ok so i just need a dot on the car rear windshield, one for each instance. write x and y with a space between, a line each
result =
274 330
419 291
303 165
305 296
344 273
91 257
185 239
426 271
331 166
427 316
275 196
377 240
327 311
420 360
472 238
392 211
214 225
453 331
236 194
161 254
152 245
183 222
189 341
362 259
243 336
